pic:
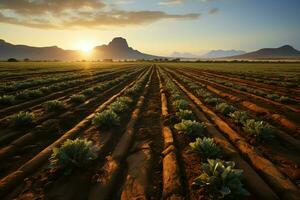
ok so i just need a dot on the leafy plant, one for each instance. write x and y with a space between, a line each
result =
220 180
272 96
284 99
106 119
54 106
88 92
185 114
118 107
181 104
7 100
225 109
73 154
133 91
45 89
203 93
35 93
239 117
99 88
192 128
206 147
212 100
259 129
77 99
22 119
176 96
126 100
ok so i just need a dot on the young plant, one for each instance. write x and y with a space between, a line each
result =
206 147
259 129
35 93
77 99
272 96
7 100
176 96
212 100
185 114
284 99
126 100
225 109
118 107
73 154
54 106
220 180
88 92
181 104
99 88
191 128
133 91
22 119
239 117
106 119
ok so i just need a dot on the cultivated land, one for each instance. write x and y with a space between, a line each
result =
156 130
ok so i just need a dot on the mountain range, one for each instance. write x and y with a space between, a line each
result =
222 53
117 49
284 52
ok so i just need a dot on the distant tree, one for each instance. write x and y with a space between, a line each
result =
12 60
110 60
26 60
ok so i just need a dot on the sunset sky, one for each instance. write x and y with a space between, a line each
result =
158 27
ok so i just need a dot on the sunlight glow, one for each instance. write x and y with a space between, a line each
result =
85 47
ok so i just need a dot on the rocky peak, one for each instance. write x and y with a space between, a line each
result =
118 43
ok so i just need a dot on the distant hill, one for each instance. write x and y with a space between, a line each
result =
117 49
183 55
222 53
284 52
8 50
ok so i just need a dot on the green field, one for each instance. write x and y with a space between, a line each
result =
146 130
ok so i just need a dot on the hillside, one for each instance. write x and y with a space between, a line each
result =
284 52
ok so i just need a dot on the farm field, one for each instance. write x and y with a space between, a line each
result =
145 130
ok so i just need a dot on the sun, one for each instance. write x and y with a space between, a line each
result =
85 47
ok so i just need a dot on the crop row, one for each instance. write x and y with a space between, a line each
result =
45 129
218 178
13 85
281 89
23 118
82 151
249 104
277 180
273 96
280 80
24 95
102 118
259 130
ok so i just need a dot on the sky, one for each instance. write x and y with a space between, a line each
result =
158 27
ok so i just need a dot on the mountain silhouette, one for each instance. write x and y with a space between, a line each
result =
222 53
8 50
284 52
117 49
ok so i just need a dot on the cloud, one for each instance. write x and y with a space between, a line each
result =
48 6
123 18
214 11
171 2
57 14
